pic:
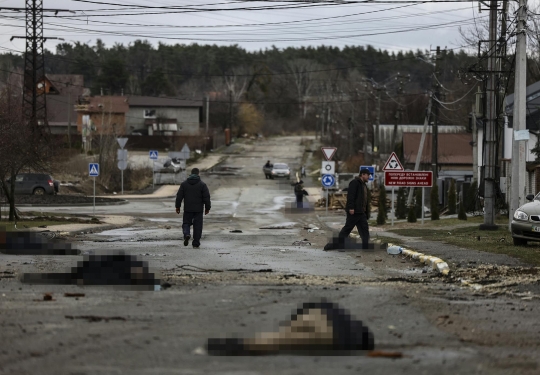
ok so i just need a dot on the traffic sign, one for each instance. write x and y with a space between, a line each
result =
153 154
328 180
122 142
328 152
328 167
393 163
371 171
408 178
93 169
122 154
122 165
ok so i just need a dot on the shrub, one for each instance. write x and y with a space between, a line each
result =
381 215
470 197
401 209
462 215
418 204
452 198
411 218
435 202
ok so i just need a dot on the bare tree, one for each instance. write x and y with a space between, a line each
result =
304 73
21 145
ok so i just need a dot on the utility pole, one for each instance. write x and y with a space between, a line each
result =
366 125
474 145
421 146
490 136
519 121
435 128
69 118
377 122
230 111
34 95
400 79
207 112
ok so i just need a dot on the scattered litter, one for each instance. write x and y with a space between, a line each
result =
304 242
279 226
42 226
223 253
383 354
200 351
391 327
166 285
167 227
394 250
378 260
236 231
48 297
527 298
74 294
95 318
313 229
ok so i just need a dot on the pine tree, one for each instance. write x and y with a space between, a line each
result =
418 202
470 197
411 218
452 198
435 202
462 215
381 215
401 209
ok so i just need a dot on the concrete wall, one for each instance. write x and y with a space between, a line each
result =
187 118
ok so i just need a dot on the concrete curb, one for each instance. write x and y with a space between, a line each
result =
436 263
75 204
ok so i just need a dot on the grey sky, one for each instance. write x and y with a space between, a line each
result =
342 26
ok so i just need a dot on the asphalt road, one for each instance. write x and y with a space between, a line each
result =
247 282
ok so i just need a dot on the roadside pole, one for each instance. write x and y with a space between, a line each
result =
392 210
422 206
327 196
93 171
153 155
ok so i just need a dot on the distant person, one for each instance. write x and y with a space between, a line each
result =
267 169
357 209
303 171
196 197
299 192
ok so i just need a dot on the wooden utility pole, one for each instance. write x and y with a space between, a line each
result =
435 127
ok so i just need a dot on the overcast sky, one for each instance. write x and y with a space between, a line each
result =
380 25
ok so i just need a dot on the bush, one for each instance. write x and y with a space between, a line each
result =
418 204
401 209
381 215
411 218
435 202
469 201
452 198
462 215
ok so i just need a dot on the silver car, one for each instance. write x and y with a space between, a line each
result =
526 222
281 170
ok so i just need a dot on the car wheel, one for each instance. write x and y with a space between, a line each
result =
39 191
519 241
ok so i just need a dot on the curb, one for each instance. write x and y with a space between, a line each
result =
75 204
436 263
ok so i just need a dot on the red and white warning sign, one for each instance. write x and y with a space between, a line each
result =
393 163
328 152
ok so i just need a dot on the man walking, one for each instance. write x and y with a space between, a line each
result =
358 209
196 199
299 192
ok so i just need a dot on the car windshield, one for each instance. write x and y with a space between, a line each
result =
280 166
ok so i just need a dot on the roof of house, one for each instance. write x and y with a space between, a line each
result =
68 84
152 101
107 104
452 148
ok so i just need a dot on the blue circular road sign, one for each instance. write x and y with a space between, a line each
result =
328 180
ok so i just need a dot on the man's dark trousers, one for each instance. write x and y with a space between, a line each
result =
195 219
299 200
358 220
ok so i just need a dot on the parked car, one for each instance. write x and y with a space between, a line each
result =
281 170
35 183
526 222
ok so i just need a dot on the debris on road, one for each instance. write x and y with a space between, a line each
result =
74 294
95 318
280 226
384 354
48 297
235 231
304 242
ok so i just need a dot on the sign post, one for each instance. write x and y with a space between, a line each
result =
122 158
93 171
327 180
392 164
153 154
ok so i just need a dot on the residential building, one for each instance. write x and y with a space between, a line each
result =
149 115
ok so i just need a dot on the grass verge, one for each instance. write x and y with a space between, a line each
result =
9 226
497 242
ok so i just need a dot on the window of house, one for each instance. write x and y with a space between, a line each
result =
149 113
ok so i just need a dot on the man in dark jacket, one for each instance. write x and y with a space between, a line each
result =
358 211
196 199
299 192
